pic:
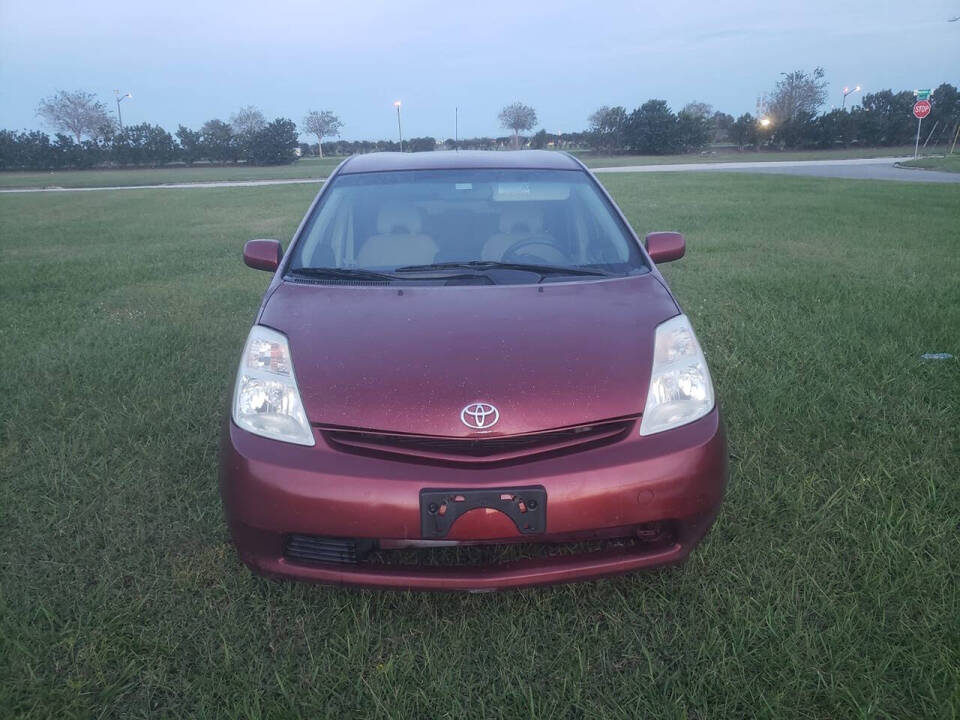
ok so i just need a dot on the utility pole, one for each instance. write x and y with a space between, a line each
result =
399 129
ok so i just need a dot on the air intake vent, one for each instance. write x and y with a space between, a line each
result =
493 448
315 549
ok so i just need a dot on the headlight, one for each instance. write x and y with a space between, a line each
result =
266 400
680 387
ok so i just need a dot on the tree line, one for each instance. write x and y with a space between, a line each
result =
791 121
86 135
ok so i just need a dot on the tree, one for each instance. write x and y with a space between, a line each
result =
247 121
143 144
78 113
945 102
607 126
799 131
797 94
217 141
652 129
698 109
886 118
744 131
517 117
421 144
322 124
695 127
275 144
722 123
191 144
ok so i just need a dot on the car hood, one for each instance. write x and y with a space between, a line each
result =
408 360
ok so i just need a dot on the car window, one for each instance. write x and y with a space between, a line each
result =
389 220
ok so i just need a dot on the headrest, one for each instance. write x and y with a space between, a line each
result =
519 219
398 220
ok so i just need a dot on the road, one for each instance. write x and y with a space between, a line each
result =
856 169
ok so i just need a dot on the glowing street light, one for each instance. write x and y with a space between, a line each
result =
765 122
120 98
848 91
399 129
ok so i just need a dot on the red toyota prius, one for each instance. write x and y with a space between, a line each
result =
467 373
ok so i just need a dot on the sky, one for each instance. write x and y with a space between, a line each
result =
188 62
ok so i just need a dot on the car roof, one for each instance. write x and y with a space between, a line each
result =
458 160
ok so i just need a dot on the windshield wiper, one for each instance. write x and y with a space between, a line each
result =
542 270
362 274
342 273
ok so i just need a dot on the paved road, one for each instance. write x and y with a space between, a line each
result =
856 169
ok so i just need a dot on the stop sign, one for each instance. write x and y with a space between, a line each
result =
921 109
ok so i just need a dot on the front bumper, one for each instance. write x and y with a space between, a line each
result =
271 490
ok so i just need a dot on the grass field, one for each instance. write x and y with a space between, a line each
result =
303 168
947 163
829 588
317 167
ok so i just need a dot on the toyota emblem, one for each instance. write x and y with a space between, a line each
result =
479 416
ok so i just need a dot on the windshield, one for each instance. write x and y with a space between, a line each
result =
463 223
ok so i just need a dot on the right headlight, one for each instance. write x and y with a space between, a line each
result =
680 387
266 400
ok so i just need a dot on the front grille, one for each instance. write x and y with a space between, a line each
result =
311 549
316 549
490 448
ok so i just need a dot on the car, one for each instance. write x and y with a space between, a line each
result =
467 373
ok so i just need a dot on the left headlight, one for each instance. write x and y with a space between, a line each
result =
266 400
680 387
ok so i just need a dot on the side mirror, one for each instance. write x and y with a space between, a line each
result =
262 254
665 246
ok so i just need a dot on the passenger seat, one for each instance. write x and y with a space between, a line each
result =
398 240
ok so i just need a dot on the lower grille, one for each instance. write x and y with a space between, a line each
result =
480 449
316 549
311 549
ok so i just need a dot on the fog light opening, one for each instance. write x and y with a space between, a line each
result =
657 532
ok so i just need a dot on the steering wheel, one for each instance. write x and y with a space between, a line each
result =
538 247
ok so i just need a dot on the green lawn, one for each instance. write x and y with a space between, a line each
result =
829 588
947 163
321 167
304 168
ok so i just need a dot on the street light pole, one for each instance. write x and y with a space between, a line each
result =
848 91
120 98
399 128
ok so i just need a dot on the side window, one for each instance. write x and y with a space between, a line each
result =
330 240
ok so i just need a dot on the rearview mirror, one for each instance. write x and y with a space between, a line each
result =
665 246
262 254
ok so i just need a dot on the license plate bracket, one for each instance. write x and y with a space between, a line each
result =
440 507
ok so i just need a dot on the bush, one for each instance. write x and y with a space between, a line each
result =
274 144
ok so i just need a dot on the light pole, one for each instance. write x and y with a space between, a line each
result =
399 129
848 91
120 99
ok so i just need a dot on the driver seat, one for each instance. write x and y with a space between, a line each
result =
518 222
